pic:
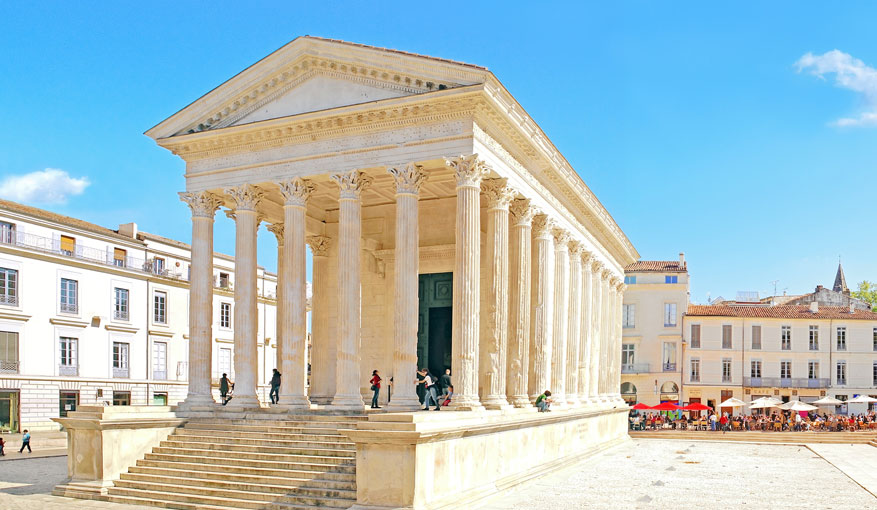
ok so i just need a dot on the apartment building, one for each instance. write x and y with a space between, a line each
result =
94 315
654 303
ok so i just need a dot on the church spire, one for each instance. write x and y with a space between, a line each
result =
840 281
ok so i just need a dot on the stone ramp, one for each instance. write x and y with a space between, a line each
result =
257 461
756 436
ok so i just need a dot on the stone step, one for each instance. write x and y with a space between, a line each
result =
222 476
309 502
295 435
255 427
166 499
239 499
248 485
302 450
296 464
321 471
281 423
331 443
236 457
142 498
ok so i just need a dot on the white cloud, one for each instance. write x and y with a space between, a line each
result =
49 186
850 73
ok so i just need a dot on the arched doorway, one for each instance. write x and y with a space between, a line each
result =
628 393
669 392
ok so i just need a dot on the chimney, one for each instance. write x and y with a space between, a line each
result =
852 307
128 230
814 306
681 260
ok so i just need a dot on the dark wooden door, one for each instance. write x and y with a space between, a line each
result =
435 292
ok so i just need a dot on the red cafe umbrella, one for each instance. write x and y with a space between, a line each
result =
696 406
666 406
640 407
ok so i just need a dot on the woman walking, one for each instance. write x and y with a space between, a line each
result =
376 387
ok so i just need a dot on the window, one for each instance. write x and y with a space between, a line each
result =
628 316
630 280
695 370
68 356
120 359
727 340
671 279
814 338
726 370
159 361
121 398
841 338
8 286
8 352
69 291
669 314
695 336
813 370
119 257
628 352
874 340
841 372
120 306
786 338
7 233
159 313
68 245
756 338
225 315
159 399
223 280
785 369
224 357
158 265
669 357
874 374
755 369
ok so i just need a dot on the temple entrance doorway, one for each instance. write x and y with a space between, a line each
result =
435 293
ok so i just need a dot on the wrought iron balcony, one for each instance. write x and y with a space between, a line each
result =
9 367
159 375
9 300
120 315
120 373
69 308
669 367
69 370
634 368
785 382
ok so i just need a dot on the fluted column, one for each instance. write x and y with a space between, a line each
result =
277 230
469 171
561 319
406 270
203 205
542 307
616 374
246 199
322 387
519 303
574 317
596 332
584 362
605 334
348 376
293 391
494 339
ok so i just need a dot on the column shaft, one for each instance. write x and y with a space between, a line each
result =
585 349
574 316
561 319
277 230
322 386
605 334
519 303
596 317
542 308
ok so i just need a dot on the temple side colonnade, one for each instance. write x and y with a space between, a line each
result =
547 318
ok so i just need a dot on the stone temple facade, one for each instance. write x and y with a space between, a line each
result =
445 231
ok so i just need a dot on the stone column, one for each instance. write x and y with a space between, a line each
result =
494 339
596 332
277 230
605 334
574 317
616 374
246 199
348 375
542 307
322 356
293 391
519 303
469 171
586 324
203 205
561 319
406 270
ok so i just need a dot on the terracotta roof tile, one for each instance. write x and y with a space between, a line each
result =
779 312
656 266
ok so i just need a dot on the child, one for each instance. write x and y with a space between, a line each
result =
25 442
2 444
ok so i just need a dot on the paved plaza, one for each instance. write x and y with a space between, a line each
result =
639 474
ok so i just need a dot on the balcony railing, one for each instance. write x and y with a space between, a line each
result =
9 300
68 370
69 308
159 375
634 368
785 382
669 367
120 373
9 367
120 315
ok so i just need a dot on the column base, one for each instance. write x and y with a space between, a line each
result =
192 401
294 402
348 403
520 401
320 400
244 402
465 404
573 401
404 404
496 403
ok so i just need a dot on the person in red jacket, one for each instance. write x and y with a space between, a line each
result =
376 387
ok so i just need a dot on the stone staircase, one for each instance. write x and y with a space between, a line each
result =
254 462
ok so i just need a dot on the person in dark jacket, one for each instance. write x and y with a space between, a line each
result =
274 394
224 383
421 389
444 384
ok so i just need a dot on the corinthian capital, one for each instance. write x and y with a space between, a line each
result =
277 230
319 245
561 238
542 226
296 191
202 203
408 178
498 192
246 197
352 183
575 249
522 212
468 170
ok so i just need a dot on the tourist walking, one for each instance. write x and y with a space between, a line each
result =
25 442
274 394
444 385
431 397
224 384
543 401
421 388
376 388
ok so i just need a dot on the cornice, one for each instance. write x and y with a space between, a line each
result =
14 316
156 332
121 329
69 322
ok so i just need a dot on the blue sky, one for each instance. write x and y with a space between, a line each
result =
692 123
